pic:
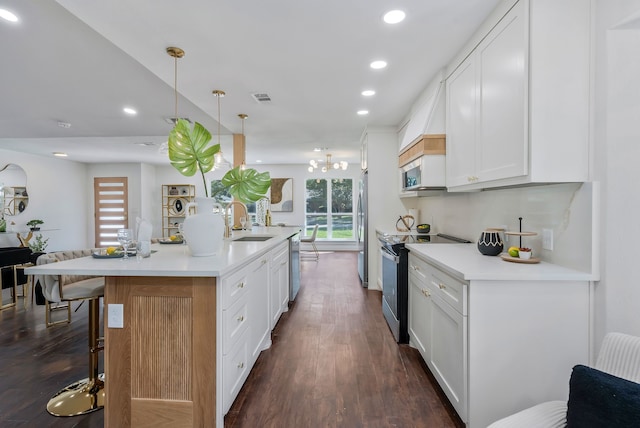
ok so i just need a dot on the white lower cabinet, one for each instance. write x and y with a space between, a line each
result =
438 329
497 346
246 317
236 370
279 283
259 325
447 352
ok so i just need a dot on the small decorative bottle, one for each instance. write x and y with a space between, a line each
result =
267 219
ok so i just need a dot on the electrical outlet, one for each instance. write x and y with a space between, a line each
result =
547 239
115 315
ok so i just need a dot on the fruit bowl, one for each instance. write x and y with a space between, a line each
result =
423 228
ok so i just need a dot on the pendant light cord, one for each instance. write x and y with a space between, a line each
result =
175 85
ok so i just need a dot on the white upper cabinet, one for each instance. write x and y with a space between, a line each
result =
518 103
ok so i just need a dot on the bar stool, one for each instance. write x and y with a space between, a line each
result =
85 395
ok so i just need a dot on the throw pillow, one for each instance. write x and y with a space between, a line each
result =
598 399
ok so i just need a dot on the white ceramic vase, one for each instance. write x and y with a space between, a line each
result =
204 230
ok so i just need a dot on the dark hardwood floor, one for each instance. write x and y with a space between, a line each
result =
333 363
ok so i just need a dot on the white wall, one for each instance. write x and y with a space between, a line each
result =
617 137
57 194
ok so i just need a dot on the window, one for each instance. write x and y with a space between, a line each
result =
329 203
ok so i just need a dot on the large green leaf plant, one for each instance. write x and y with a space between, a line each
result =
190 152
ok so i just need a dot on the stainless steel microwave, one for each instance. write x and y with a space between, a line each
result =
412 175
425 173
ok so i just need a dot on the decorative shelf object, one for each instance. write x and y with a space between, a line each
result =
175 198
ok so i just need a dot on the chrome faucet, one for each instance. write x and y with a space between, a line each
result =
227 227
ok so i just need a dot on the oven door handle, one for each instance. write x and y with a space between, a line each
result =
387 255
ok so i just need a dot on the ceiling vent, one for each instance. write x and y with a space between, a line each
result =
174 120
261 98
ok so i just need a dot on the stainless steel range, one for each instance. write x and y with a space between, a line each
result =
395 277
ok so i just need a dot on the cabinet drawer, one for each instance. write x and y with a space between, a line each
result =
449 289
233 287
235 369
418 268
235 320
237 284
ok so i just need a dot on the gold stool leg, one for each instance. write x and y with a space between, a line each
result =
86 395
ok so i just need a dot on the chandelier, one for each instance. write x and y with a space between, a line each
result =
313 165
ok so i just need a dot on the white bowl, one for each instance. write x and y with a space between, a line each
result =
525 255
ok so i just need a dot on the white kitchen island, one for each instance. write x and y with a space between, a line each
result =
192 327
498 336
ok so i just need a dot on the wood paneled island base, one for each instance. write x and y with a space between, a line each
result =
160 368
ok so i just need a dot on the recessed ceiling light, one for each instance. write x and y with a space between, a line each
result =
363 112
394 16
378 64
368 93
130 111
5 14
64 124
258 161
60 154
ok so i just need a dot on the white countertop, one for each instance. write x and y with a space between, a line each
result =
175 259
465 261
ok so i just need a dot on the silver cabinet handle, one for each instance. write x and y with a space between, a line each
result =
241 318
241 285
426 293
442 286
240 365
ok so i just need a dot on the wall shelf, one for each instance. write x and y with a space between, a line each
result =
175 198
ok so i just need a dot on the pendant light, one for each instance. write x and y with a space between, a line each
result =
176 53
219 161
243 117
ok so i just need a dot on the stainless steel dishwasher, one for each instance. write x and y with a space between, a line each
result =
294 266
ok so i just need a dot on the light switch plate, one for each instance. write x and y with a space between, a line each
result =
115 315
547 239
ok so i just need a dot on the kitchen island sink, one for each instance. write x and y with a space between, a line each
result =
253 238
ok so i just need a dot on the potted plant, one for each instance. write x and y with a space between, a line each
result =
38 247
34 224
190 152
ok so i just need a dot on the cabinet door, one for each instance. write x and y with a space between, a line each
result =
502 149
283 281
447 352
259 324
279 286
462 106
419 315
